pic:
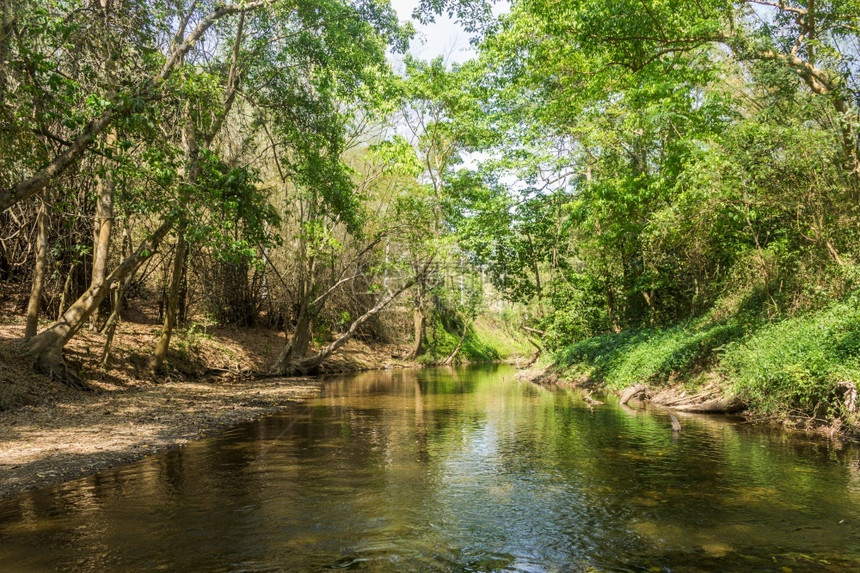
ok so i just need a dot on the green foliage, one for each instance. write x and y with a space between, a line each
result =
229 211
443 336
649 180
503 335
648 355
397 155
666 177
794 366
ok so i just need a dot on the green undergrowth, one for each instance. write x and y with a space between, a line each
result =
650 355
487 340
797 367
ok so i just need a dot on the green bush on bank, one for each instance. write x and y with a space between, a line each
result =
790 367
794 366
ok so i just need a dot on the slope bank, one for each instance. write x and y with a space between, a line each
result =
803 371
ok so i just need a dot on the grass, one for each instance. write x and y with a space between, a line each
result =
649 355
798 366
487 340
507 342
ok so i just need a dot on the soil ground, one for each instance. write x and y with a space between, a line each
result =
50 433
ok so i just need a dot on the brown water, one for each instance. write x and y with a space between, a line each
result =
455 470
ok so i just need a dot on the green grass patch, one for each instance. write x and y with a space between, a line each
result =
794 366
798 366
648 355
486 340
508 342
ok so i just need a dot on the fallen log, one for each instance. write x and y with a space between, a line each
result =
629 393
684 400
537 353
730 405
591 402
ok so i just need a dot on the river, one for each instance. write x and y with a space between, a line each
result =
463 469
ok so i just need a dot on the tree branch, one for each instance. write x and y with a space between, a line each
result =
38 181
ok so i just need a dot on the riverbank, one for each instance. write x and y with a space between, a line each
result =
71 438
50 433
214 378
801 372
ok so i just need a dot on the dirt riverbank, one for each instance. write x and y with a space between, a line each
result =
50 433
51 443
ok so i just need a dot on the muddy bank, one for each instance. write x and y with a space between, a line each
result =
710 398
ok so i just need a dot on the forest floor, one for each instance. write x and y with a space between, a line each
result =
50 433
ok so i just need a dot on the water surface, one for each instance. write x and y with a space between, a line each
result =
455 470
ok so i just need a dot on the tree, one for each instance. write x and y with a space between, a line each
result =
608 115
436 110
185 93
101 112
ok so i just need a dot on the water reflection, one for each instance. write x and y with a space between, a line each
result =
455 470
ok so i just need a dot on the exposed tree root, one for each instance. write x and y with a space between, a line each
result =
53 364
629 393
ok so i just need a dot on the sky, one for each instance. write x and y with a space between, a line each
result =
443 38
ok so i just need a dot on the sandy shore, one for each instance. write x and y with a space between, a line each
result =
51 443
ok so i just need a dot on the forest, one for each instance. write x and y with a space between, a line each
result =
652 191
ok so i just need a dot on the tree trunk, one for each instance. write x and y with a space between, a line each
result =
118 296
38 275
157 360
611 312
453 355
418 319
66 287
311 364
46 348
192 172
117 300
102 227
538 352
297 347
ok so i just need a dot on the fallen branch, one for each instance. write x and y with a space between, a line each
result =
629 393
538 352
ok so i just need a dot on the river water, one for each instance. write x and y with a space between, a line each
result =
461 469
